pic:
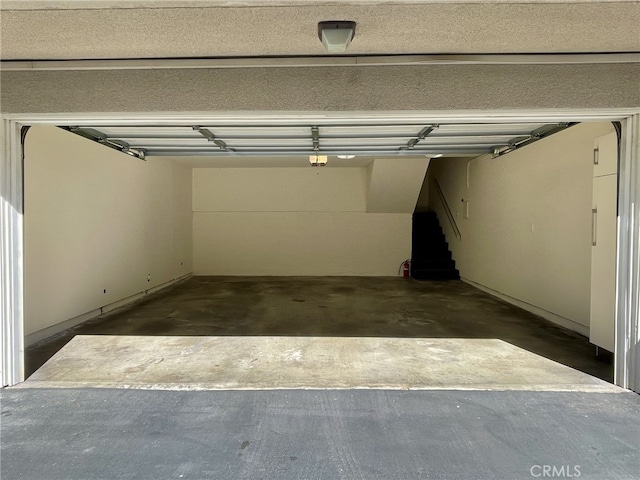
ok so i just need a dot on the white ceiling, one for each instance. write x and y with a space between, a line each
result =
270 162
87 29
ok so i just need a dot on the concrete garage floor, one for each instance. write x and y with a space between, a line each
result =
334 307
105 433
263 363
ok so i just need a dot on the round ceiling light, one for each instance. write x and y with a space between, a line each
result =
346 157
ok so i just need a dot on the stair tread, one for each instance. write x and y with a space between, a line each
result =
445 263
436 269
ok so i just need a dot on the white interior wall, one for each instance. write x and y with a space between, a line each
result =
422 204
293 221
303 189
98 220
528 233
394 184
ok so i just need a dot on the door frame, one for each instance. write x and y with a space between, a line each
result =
627 314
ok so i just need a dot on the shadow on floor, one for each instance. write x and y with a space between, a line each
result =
334 306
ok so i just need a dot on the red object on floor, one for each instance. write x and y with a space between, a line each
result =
406 268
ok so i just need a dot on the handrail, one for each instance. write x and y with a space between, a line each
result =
447 210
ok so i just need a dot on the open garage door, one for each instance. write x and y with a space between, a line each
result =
348 137
247 142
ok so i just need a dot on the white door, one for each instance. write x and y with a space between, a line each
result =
603 262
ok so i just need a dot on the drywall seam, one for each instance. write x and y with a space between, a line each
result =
307 244
294 221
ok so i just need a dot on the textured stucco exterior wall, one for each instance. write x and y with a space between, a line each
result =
383 88
89 29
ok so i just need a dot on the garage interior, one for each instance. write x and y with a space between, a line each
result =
334 365
263 241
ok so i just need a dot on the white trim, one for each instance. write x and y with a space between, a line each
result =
150 4
133 298
323 61
627 336
275 118
552 317
35 337
11 255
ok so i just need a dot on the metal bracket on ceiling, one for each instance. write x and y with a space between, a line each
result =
209 135
422 134
316 159
315 138
518 141
103 139
534 136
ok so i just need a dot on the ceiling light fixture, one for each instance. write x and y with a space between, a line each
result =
318 160
336 35
346 157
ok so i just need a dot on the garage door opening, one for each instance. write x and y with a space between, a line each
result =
240 201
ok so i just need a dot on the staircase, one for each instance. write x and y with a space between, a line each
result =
430 255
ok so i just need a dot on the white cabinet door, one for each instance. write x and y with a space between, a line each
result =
605 155
603 262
